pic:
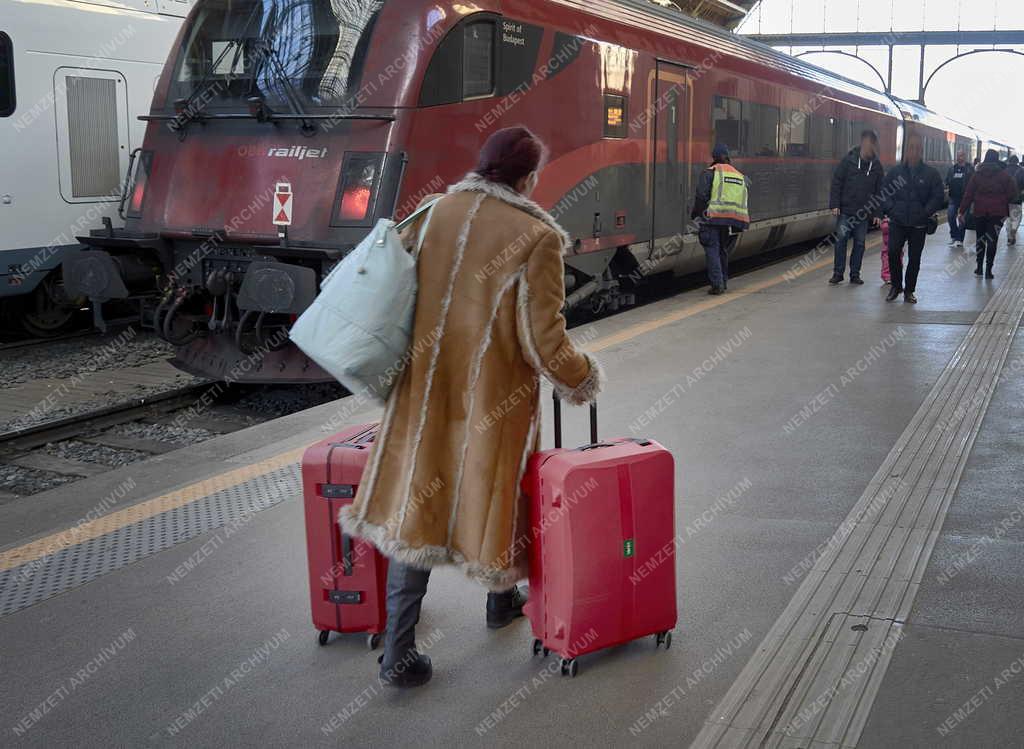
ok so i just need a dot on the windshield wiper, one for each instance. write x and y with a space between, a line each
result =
265 51
183 114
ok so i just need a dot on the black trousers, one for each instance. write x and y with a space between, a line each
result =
988 238
914 238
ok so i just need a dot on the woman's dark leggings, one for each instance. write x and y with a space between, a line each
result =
406 588
988 239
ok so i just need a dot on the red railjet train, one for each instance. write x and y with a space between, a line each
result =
341 113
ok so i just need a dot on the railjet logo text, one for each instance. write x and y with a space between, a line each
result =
297 152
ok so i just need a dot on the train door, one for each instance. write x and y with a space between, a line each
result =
671 137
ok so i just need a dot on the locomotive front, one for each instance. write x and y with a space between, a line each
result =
272 148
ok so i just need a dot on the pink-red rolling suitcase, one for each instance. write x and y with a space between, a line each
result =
347 576
602 559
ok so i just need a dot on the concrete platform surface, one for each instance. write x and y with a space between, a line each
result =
207 642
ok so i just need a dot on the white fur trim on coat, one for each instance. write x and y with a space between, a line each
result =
473 182
460 252
428 557
587 390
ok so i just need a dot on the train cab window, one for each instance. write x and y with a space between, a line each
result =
615 115
478 59
727 122
795 130
7 100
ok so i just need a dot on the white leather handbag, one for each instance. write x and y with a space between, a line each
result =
359 328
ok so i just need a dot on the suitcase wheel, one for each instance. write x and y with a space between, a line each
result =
663 638
569 667
373 641
323 637
538 648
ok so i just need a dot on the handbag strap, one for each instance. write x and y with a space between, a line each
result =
429 210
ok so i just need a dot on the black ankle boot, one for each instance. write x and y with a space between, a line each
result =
988 274
504 608
979 270
411 670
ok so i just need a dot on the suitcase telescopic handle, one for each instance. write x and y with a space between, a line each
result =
558 421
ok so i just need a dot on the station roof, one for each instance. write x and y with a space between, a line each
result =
725 13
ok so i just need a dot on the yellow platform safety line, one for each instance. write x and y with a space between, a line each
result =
87 531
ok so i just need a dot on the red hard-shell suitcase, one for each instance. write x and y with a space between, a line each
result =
347 576
602 558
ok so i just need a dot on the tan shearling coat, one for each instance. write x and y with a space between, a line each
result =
442 485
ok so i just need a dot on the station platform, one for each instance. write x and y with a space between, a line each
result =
850 556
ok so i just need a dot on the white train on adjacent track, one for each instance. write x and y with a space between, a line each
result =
74 76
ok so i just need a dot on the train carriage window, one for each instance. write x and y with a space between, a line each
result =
795 140
851 135
7 100
823 137
478 59
615 116
762 126
727 120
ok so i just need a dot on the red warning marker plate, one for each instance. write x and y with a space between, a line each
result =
283 200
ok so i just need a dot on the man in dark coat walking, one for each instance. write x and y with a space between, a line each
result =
990 191
956 182
913 192
855 200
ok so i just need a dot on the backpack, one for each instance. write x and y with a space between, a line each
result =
359 328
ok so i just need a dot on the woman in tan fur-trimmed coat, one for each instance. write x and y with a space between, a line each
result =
443 482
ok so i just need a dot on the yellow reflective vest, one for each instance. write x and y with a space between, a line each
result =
728 204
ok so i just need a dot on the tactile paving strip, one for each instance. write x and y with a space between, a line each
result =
813 680
76 565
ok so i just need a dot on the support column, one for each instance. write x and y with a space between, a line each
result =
920 85
888 83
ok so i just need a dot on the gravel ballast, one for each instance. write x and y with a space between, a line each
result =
28 481
86 452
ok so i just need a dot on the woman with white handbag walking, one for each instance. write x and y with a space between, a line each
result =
464 410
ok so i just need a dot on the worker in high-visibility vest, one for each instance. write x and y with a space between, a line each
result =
722 213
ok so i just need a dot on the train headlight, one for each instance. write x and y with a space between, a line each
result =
357 190
137 196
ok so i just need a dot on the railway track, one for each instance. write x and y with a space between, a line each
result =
69 426
24 343
42 456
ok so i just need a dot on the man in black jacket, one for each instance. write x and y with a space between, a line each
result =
856 186
956 181
913 192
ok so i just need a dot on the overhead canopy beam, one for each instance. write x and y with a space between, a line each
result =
729 6
890 38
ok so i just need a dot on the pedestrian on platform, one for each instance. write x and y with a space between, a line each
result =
956 182
855 201
1014 169
442 485
722 212
886 274
990 192
913 194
